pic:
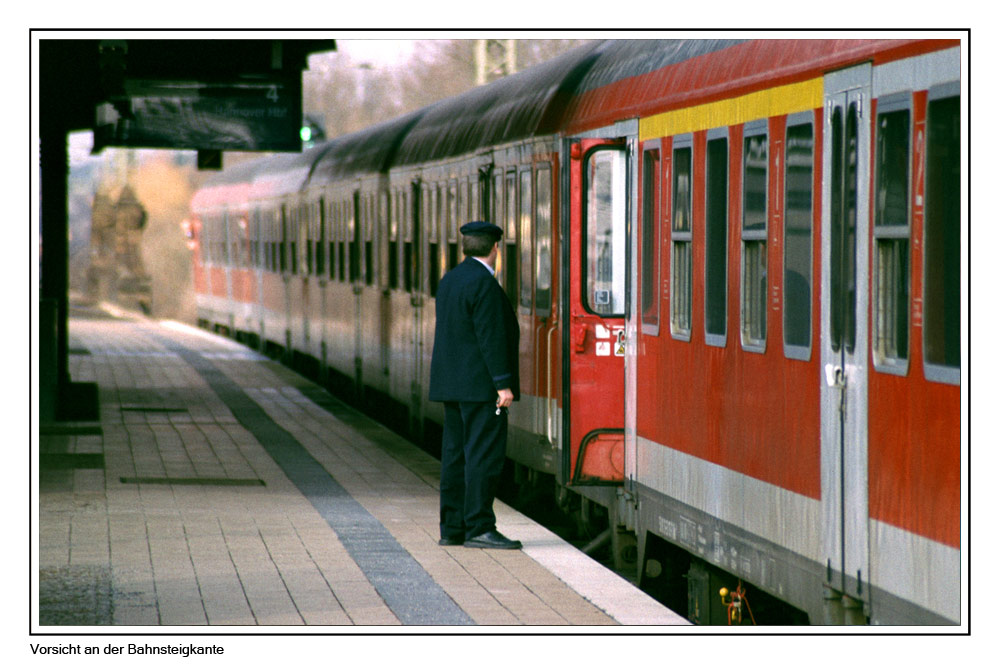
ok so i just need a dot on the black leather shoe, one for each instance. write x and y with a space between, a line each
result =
493 540
452 540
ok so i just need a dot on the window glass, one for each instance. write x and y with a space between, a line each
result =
432 219
650 250
510 271
892 242
524 220
753 310
716 225
942 237
451 224
680 240
543 240
797 310
605 232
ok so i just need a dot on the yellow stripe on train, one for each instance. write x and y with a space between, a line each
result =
781 100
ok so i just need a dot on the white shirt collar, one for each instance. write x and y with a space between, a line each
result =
488 267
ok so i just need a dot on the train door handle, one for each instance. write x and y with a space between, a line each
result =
835 376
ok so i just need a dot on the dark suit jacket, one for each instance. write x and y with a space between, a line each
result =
476 338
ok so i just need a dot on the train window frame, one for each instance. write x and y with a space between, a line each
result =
411 245
332 239
937 371
794 350
392 238
650 251
343 249
475 196
452 210
432 222
753 315
382 238
713 226
892 268
542 211
308 223
320 245
283 248
525 226
372 266
681 242
589 295
511 274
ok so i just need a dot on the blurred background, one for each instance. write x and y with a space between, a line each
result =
127 207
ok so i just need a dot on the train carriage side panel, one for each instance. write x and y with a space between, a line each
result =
915 392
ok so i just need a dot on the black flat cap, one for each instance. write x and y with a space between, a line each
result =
482 228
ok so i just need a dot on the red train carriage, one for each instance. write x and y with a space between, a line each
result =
788 427
736 269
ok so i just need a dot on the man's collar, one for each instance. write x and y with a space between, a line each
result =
488 267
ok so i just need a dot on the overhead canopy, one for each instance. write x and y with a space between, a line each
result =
211 94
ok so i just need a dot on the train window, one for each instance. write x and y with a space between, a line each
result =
338 240
307 223
527 240
498 218
411 210
543 241
797 310
371 258
394 217
753 309
266 233
463 202
475 213
605 232
320 246
283 243
510 259
650 249
433 257
293 239
353 238
716 227
382 239
891 279
680 238
451 223
942 237
332 237
277 240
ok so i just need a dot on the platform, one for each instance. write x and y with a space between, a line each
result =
219 488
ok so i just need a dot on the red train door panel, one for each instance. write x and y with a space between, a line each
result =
597 301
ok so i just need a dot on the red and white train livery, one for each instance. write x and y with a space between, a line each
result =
736 267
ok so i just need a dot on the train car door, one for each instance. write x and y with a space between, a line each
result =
595 348
844 339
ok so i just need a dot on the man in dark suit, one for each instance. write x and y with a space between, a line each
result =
474 371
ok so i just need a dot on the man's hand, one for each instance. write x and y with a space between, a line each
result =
505 398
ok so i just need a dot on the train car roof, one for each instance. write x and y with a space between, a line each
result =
511 108
370 150
273 175
637 78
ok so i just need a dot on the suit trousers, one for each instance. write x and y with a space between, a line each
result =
473 449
